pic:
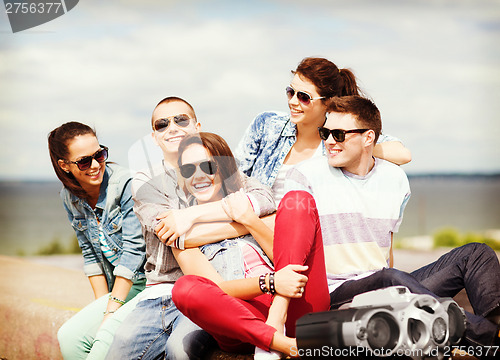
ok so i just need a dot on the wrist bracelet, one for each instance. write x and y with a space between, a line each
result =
272 288
109 312
116 300
262 284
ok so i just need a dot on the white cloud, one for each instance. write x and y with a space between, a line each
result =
432 69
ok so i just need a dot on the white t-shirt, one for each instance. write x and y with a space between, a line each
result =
358 214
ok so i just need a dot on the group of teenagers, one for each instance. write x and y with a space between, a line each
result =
209 248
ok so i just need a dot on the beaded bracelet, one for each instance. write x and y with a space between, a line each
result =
262 284
272 288
116 300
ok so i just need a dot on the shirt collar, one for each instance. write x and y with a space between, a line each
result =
101 201
290 129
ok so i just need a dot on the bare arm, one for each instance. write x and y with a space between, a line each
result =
99 285
239 209
120 291
393 151
193 262
175 223
202 234
391 253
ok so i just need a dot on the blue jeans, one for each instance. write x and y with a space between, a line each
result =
157 330
473 267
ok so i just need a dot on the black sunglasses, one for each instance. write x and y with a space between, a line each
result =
84 163
338 134
208 167
303 97
161 125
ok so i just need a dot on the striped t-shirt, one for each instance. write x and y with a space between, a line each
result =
358 214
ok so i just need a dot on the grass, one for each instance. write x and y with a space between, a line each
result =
55 248
451 237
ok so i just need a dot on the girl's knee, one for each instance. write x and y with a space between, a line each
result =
187 289
72 340
298 202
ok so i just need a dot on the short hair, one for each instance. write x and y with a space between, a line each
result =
170 99
364 110
221 154
59 140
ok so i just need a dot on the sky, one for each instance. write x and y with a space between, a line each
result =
431 66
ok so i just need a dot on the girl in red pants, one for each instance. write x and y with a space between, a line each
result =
237 313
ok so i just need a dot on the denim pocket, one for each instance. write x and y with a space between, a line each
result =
79 224
169 313
114 223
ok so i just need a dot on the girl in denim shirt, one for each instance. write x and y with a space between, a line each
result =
208 173
233 310
98 200
274 142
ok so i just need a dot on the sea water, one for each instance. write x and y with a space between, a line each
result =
32 215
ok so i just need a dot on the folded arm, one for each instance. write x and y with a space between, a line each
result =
287 280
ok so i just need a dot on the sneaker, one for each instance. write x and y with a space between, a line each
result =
261 354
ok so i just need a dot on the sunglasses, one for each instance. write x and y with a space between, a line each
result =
208 167
161 125
303 97
84 163
338 134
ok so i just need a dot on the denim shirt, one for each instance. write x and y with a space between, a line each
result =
267 141
226 256
113 215
156 190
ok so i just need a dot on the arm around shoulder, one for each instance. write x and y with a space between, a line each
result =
393 151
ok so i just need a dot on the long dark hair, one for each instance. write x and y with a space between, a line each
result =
327 77
59 140
221 154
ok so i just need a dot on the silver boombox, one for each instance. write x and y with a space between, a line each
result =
386 322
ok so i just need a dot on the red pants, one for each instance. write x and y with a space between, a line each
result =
237 324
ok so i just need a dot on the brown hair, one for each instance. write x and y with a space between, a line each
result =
327 77
221 154
59 140
170 99
365 111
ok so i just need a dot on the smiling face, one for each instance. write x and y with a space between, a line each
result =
312 114
168 140
204 187
351 154
79 147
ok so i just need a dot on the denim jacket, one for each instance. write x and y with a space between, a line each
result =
265 144
121 228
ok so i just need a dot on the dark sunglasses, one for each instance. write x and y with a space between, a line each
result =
303 97
161 125
338 134
84 163
208 167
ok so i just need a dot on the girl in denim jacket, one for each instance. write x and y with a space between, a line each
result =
98 201
275 141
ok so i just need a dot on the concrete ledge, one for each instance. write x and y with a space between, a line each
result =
35 300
